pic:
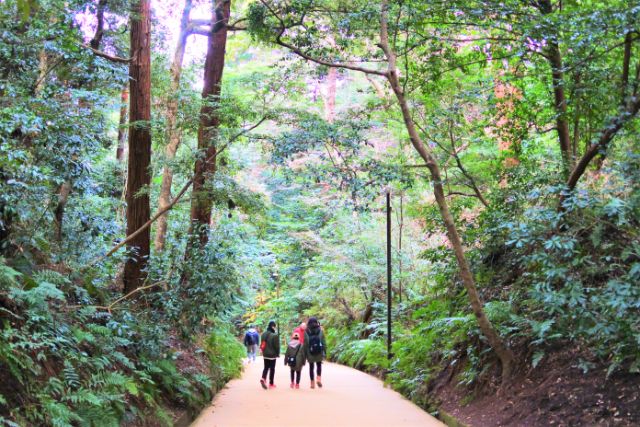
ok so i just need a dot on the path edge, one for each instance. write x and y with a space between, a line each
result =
449 419
435 410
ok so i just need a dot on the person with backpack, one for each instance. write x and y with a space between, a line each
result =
294 358
315 349
270 347
251 341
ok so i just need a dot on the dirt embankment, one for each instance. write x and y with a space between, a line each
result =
556 393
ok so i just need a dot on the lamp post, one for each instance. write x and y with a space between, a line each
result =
389 355
274 276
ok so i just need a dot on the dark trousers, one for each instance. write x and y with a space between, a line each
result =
319 365
269 366
297 375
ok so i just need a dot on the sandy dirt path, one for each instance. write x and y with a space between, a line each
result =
349 398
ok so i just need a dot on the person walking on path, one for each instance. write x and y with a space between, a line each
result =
300 331
251 341
315 349
294 358
270 347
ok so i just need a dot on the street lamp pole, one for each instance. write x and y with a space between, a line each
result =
274 275
389 274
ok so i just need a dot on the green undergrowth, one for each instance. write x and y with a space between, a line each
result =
67 362
552 279
426 342
225 354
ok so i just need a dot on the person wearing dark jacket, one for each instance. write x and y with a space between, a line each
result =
270 352
315 349
294 357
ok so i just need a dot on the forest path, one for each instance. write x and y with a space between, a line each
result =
349 398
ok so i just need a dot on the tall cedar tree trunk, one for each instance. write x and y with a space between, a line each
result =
205 166
138 173
173 132
122 125
495 341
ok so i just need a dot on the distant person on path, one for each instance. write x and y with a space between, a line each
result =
294 358
315 349
270 347
300 330
251 341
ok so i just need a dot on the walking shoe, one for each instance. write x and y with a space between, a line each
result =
292 385
263 383
319 382
313 384
272 386
297 385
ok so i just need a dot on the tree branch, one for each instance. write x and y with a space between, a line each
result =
112 58
460 193
173 202
308 57
122 298
472 181
603 142
278 40
46 73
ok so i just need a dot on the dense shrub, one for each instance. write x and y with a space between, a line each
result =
71 363
225 354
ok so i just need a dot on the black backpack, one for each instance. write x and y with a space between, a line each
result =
315 344
291 360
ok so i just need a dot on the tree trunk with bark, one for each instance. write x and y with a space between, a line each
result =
174 135
560 102
602 145
63 198
138 173
65 189
495 341
624 85
629 109
97 37
205 166
377 87
43 69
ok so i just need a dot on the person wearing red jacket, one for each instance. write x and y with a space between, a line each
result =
300 330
